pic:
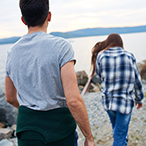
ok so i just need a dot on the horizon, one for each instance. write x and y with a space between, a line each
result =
77 30
71 15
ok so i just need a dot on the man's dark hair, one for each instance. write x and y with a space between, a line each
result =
34 12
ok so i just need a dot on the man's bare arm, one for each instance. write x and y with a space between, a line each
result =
11 92
75 102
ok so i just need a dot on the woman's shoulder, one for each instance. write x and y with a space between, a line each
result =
130 54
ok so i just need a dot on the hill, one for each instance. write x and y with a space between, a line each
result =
99 31
86 33
9 40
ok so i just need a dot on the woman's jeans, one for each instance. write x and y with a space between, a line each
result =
76 138
120 125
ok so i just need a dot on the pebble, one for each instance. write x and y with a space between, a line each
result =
6 142
101 127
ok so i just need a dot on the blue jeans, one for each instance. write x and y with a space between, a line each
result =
120 125
76 138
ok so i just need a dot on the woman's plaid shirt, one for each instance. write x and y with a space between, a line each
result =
120 78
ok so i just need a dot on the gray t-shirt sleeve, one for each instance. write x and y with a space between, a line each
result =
8 65
67 54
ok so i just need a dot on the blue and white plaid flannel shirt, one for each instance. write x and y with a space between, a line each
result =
120 78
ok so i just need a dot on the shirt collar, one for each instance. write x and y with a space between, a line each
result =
115 48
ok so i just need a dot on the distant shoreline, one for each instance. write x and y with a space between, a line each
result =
86 33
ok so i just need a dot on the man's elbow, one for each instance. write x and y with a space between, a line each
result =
74 101
9 100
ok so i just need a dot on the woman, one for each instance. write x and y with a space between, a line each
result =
119 75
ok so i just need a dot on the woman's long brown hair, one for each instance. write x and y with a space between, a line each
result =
113 40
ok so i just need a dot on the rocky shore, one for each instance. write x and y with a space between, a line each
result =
101 127
100 124
99 121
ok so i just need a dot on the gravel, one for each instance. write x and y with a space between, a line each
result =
101 126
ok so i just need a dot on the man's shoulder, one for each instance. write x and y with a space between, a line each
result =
60 40
44 38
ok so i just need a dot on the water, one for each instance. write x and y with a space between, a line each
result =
134 42
3 55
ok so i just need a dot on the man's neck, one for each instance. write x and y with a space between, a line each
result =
36 29
39 28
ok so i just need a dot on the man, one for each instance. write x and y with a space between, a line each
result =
40 81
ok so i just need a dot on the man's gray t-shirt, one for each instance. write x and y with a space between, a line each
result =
33 64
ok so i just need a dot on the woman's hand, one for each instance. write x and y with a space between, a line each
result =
139 105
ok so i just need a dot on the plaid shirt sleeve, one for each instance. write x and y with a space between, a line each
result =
139 95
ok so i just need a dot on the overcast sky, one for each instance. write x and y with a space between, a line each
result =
68 15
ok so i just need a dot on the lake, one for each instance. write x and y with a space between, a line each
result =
133 42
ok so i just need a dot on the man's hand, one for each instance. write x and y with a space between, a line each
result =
139 105
89 143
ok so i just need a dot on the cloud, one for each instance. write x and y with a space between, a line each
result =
70 15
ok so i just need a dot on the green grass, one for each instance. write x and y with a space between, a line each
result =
145 94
